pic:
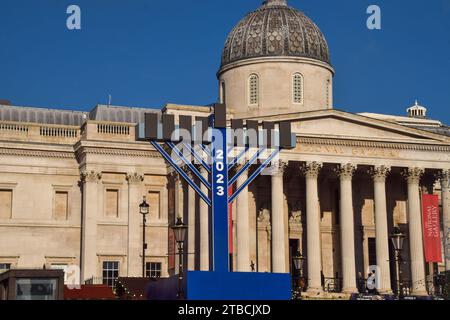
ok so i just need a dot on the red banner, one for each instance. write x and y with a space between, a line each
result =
431 228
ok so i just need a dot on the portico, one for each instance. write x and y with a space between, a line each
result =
346 196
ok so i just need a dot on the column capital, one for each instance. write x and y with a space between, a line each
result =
379 173
413 175
238 167
200 168
280 167
90 176
188 171
311 169
173 176
346 171
134 178
444 176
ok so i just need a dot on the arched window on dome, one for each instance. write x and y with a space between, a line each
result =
253 89
329 103
297 88
222 92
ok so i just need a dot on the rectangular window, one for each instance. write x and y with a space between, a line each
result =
110 273
153 198
5 204
112 203
61 205
153 269
5 267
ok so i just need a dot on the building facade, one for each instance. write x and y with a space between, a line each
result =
71 182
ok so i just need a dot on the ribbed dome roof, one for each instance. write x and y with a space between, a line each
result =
275 29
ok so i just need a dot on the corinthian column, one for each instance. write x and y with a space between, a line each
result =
204 226
379 175
89 259
134 266
413 176
278 221
243 228
314 256
445 184
345 173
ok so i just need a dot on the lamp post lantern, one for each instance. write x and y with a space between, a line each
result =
179 230
144 209
397 239
299 260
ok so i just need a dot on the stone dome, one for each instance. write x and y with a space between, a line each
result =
275 29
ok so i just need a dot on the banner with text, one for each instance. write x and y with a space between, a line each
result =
432 230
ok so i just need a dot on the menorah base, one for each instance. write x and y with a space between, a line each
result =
238 286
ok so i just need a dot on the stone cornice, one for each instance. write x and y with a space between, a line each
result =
37 153
372 144
417 136
119 152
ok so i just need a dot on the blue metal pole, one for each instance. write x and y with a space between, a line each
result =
220 201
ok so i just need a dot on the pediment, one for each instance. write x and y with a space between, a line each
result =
338 124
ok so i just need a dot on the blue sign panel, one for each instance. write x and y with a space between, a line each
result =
238 286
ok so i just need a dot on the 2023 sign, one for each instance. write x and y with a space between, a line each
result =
220 176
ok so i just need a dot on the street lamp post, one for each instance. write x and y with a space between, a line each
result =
397 239
299 260
144 209
179 230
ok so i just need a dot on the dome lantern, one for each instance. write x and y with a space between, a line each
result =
275 3
417 111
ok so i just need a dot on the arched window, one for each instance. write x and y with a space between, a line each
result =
253 89
329 103
222 92
297 88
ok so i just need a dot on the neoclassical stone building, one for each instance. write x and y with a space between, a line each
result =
71 182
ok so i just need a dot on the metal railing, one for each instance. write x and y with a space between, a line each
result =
94 280
436 285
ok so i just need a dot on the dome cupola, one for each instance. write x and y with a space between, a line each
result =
275 29
275 60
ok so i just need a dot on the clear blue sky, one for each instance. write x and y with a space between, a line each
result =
148 53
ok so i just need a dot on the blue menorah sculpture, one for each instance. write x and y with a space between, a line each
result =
216 141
